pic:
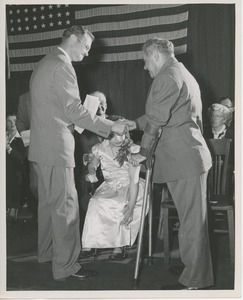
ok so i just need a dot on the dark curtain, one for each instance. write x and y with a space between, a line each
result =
210 58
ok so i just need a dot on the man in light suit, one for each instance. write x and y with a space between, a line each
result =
182 159
55 109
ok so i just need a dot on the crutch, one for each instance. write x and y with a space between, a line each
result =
147 194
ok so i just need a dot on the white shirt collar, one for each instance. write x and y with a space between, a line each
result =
216 134
66 54
17 135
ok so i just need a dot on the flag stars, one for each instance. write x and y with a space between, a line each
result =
27 28
59 23
68 22
50 6
51 24
43 25
26 10
67 13
34 18
11 21
58 5
18 11
19 28
42 17
19 21
34 9
42 7
10 12
50 16
35 26
26 19
12 29
59 15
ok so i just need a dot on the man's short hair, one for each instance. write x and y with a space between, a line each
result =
77 30
161 45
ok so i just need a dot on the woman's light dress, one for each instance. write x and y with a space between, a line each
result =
102 227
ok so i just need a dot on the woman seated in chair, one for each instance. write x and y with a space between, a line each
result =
220 117
15 168
114 211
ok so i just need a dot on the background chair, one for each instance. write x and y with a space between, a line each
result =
218 198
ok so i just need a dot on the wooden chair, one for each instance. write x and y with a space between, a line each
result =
147 197
217 194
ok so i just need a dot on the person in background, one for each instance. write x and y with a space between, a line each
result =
114 211
23 124
228 103
220 116
15 169
83 145
55 108
182 158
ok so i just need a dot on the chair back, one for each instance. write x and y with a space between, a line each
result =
217 177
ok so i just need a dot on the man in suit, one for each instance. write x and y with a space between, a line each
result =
182 157
55 109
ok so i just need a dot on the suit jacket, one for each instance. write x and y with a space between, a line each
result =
24 110
174 102
55 107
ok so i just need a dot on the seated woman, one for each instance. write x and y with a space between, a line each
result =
219 116
15 168
114 211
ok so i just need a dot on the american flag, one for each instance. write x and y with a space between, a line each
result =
119 30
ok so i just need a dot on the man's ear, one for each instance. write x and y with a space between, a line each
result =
156 55
72 39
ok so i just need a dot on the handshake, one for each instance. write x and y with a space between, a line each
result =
121 126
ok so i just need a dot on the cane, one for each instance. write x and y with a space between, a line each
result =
147 194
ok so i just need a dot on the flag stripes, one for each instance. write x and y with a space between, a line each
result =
119 30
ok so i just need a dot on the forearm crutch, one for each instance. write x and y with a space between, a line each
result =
147 195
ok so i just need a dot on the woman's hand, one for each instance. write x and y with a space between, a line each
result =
91 169
128 215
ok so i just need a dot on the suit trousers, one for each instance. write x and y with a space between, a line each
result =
189 196
58 219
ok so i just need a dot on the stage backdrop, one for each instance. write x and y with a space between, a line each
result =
204 37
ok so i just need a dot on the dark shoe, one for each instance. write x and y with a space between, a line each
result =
118 256
86 254
83 274
179 286
176 270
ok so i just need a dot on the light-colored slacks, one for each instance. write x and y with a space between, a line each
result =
58 219
189 196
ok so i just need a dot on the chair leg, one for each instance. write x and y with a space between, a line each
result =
96 254
230 216
166 235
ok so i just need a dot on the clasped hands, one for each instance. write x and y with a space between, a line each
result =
122 126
